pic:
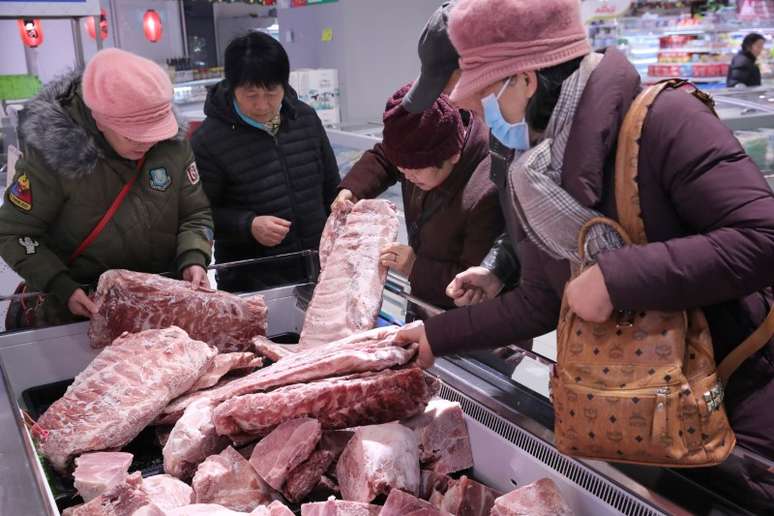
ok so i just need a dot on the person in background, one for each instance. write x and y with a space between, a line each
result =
450 204
439 74
546 94
744 70
87 139
266 165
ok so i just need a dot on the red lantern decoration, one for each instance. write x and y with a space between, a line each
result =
151 25
103 26
31 32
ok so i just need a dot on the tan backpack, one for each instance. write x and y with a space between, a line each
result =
643 387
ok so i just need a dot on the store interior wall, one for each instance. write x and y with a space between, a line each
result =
57 55
232 20
373 48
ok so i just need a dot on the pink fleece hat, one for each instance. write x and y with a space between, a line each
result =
130 95
497 39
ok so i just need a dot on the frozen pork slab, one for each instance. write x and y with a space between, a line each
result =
123 499
337 403
167 493
466 497
284 449
192 439
97 472
339 508
348 294
444 442
379 458
121 391
374 350
227 479
306 476
400 503
541 498
273 509
135 301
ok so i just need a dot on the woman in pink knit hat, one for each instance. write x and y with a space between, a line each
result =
708 212
107 181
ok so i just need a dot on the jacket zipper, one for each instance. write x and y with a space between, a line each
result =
286 173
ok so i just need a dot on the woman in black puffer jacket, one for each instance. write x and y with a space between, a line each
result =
266 164
743 70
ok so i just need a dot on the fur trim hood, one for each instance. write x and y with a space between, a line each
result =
58 125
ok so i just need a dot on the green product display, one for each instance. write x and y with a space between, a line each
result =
18 87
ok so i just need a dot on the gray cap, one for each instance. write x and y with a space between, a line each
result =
439 60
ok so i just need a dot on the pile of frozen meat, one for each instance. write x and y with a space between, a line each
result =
341 424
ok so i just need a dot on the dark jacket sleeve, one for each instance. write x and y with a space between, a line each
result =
430 277
195 234
36 262
231 224
371 175
502 261
526 312
724 203
330 168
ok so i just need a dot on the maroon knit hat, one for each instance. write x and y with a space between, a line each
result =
421 140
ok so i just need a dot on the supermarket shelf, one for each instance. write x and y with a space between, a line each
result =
651 78
689 50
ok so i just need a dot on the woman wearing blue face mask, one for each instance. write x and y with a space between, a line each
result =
557 108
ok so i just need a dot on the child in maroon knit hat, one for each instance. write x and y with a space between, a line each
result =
451 207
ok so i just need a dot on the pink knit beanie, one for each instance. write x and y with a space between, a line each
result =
497 39
421 140
130 95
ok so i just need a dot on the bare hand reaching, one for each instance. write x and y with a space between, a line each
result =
270 231
474 286
80 304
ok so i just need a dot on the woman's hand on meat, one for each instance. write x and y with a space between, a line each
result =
415 333
197 276
473 286
269 231
80 304
399 258
588 297
344 196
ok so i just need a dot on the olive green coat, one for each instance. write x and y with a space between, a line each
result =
68 178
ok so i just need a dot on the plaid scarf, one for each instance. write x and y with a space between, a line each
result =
549 215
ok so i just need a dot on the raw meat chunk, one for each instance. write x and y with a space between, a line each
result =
339 508
335 441
271 350
273 509
97 472
166 492
374 350
333 228
223 364
229 480
431 482
326 488
134 301
343 402
192 440
126 386
348 294
123 499
290 444
465 497
541 498
304 477
205 509
379 458
399 503
444 443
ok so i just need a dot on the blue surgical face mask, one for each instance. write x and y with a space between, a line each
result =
514 136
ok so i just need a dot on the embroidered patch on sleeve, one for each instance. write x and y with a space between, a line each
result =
30 246
159 179
192 172
20 193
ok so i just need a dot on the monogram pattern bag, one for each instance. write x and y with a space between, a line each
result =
642 387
